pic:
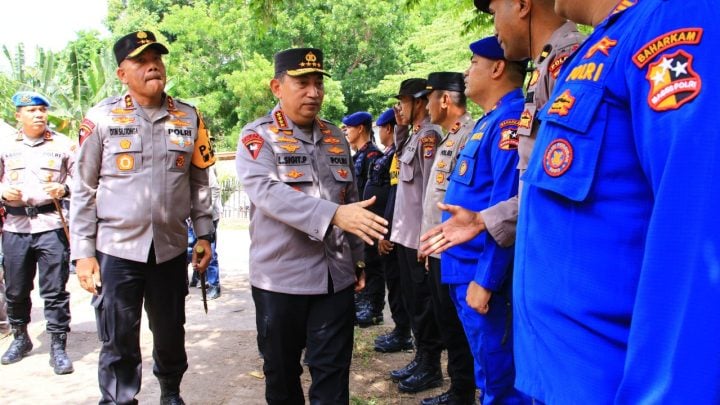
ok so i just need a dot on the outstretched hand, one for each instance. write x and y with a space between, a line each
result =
354 218
462 226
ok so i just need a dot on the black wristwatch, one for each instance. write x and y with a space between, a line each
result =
67 191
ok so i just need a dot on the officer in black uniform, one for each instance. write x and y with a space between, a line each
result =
370 301
383 184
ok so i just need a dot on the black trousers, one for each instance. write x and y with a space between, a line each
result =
374 291
323 324
418 302
49 253
126 285
398 311
460 359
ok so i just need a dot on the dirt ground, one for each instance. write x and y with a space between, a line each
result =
224 366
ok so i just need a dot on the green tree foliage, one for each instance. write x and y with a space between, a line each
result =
221 54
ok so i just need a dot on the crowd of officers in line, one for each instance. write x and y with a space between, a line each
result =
433 216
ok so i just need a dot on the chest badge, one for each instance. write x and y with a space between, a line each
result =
125 144
462 169
125 162
294 174
343 173
673 82
440 178
558 158
124 120
336 150
290 148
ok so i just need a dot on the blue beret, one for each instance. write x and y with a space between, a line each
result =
488 48
358 118
28 98
387 117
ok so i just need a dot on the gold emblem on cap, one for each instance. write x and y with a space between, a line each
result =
310 61
142 35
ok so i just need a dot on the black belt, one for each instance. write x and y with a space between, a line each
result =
31 212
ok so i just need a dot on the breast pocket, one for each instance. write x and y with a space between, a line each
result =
126 155
407 171
51 168
295 173
566 153
180 149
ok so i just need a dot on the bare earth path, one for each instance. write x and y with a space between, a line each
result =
221 346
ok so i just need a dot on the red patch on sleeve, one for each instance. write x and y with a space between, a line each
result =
428 146
253 142
87 128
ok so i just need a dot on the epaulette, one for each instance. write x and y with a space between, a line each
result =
109 100
177 100
252 126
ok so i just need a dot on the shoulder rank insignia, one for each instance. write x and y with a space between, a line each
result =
253 143
604 45
673 82
290 148
280 120
455 128
129 102
558 158
562 104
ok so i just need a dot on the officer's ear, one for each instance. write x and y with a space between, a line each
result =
499 67
524 7
275 87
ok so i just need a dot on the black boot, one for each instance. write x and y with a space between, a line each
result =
428 374
170 391
452 397
395 341
59 360
19 347
408 370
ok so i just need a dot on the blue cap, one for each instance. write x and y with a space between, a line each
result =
358 118
488 48
387 117
28 98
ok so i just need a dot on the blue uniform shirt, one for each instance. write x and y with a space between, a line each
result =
617 274
485 174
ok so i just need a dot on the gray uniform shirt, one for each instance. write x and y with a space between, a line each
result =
135 184
501 219
295 181
28 165
450 145
416 159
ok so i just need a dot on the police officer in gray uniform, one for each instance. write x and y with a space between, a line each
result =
142 170
447 107
416 160
34 168
535 31
298 174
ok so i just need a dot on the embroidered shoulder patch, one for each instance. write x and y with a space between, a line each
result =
683 36
558 158
253 143
555 65
673 82
562 104
428 145
86 129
